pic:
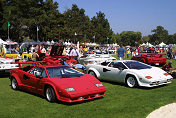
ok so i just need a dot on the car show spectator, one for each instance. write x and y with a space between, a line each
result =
43 51
128 53
121 52
74 52
85 50
168 68
34 56
169 54
32 49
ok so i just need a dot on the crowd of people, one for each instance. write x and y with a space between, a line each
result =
38 52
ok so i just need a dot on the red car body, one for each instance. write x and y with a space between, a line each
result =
68 87
150 58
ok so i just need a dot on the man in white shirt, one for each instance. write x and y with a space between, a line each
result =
75 53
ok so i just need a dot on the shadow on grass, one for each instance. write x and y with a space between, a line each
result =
4 75
58 102
76 103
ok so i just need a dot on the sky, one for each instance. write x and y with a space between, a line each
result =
129 15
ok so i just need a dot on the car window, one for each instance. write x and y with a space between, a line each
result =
117 65
63 72
104 63
38 71
136 65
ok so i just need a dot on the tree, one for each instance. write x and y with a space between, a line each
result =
160 35
144 39
116 38
101 27
77 22
130 38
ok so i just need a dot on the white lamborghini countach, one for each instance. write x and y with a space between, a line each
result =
6 66
130 72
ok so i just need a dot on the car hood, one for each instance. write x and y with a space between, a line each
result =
83 83
57 50
153 72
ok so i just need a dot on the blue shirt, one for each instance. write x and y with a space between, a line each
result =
121 52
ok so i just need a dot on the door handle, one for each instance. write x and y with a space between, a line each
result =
105 70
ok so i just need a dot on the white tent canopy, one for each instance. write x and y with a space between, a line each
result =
149 45
2 42
10 42
143 44
162 44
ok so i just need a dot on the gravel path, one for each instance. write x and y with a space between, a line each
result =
167 111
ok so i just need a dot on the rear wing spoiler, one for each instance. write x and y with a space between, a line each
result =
36 62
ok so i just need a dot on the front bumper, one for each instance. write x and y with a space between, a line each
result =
157 83
77 97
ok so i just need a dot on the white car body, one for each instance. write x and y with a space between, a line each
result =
6 66
155 75
96 58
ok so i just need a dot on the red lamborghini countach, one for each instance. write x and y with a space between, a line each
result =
150 58
56 82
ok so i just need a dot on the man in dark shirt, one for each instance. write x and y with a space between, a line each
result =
168 68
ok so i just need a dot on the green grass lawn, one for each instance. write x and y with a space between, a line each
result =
119 102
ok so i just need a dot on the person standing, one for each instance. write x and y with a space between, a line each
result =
34 56
128 53
75 53
121 52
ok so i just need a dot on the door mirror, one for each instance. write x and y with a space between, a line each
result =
120 68
39 76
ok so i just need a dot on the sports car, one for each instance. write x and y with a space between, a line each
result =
150 58
56 82
130 72
6 66
96 58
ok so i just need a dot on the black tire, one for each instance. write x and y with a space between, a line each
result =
14 84
92 73
50 94
131 82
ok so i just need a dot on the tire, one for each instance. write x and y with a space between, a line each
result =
14 84
50 94
131 82
92 73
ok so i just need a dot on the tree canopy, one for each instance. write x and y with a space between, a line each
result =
27 18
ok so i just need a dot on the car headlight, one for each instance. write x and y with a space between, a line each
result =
166 74
99 85
69 89
148 77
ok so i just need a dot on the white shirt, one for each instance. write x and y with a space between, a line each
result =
74 52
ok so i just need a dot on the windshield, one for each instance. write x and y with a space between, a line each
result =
136 65
63 72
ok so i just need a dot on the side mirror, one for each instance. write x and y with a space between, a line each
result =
39 76
120 68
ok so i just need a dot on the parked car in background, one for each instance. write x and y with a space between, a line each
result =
150 58
130 72
95 58
6 66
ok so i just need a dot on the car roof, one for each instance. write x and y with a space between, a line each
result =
124 60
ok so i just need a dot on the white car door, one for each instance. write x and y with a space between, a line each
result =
115 71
